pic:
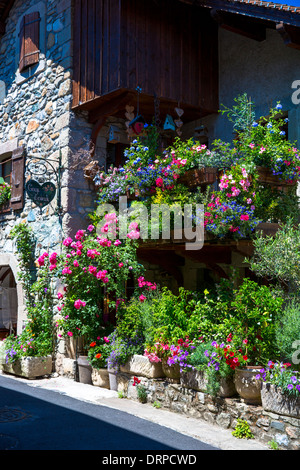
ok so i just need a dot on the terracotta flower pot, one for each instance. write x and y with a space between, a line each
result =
246 384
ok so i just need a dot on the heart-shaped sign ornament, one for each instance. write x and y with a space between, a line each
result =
179 111
41 195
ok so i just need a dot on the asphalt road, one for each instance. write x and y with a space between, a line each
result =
39 419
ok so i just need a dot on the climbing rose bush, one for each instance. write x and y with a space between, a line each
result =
94 269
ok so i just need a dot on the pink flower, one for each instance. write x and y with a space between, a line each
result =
121 265
159 182
105 339
67 241
70 333
142 298
133 235
76 264
59 295
244 217
79 235
41 261
79 303
66 270
90 228
133 226
117 243
52 258
93 270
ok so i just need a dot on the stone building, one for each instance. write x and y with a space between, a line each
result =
69 71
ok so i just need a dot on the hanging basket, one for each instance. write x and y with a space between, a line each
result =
198 177
266 176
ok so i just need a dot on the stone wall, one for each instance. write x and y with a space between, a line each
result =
36 113
223 412
264 70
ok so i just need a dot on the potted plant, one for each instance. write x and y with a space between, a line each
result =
98 355
254 312
26 356
280 389
5 193
208 371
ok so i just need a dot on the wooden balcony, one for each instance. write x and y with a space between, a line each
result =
168 49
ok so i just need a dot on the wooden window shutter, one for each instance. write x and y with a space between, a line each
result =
29 40
17 179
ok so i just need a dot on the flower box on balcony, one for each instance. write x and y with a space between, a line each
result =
266 176
198 177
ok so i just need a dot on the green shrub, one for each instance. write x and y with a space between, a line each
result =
288 331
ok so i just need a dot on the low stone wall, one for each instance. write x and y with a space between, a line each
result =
224 412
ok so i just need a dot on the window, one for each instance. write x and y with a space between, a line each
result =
29 36
5 170
12 171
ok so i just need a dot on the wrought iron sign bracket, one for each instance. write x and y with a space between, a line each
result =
43 194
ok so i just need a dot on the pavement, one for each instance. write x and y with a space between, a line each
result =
195 428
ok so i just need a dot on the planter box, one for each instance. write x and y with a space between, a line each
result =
275 401
171 372
194 379
198 177
29 367
197 380
100 378
266 176
141 366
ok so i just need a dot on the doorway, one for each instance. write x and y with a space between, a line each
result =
8 302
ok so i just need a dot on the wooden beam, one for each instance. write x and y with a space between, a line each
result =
170 262
289 15
239 25
289 34
109 107
217 270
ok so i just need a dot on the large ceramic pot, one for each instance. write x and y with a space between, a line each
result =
100 378
277 402
84 370
171 372
246 384
29 367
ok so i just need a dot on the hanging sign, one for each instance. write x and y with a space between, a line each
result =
41 195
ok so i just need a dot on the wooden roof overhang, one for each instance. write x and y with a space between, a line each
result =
250 18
